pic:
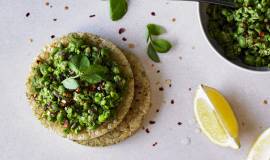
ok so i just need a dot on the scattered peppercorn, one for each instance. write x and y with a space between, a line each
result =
157 110
27 14
153 13
189 89
179 123
124 39
158 71
54 19
47 3
170 85
172 101
265 102
31 40
152 122
161 88
173 19
66 7
121 30
147 130
154 144
52 36
92 15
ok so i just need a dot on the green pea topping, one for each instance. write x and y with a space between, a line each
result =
78 86
244 32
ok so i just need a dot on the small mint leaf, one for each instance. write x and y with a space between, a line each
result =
154 29
70 83
92 79
84 63
161 45
152 54
118 8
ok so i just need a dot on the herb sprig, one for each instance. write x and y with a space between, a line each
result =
156 45
92 73
118 8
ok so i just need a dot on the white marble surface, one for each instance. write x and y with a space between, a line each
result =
22 136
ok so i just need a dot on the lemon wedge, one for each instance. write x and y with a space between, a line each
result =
215 117
261 148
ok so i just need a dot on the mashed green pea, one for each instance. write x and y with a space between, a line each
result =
78 85
244 32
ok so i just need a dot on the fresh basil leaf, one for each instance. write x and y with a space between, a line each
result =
95 69
70 83
154 29
93 78
152 54
84 63
161 45
76 60
73 67
118 8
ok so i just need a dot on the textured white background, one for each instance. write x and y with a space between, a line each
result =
22 136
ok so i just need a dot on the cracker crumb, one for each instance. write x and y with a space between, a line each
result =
131 45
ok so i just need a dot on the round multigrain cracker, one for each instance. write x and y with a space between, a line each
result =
122 109
134 118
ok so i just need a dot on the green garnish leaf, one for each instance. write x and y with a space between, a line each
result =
94 73
158 45
73 67
152 54
84 63
93 78
161 45
74 63
70 83
118 8
154 29
79 63
95 69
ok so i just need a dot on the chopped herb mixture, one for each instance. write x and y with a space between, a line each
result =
78 85
243 33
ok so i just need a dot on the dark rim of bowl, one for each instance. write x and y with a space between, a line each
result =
215 47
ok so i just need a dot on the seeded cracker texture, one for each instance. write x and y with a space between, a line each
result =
139 108
122 109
